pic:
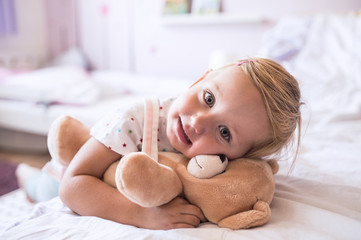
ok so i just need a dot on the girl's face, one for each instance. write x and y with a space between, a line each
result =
222 114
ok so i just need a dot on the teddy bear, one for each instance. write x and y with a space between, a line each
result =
238 197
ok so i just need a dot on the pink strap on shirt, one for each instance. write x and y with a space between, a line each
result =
150 133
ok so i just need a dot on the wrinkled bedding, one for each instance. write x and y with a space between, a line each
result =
300 209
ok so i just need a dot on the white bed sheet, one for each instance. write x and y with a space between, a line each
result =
320 198
12 206
301 209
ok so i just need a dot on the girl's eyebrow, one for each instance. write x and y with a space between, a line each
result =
217 87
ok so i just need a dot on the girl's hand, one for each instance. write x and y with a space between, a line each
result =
178 213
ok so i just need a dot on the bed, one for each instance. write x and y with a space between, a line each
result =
320 198
40 96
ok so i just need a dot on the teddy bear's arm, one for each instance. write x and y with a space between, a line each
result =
145 181
66 136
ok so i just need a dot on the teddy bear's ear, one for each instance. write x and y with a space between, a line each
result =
274 165
259 215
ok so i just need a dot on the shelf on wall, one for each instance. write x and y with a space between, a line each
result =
193 19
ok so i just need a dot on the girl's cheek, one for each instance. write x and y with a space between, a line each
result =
184 103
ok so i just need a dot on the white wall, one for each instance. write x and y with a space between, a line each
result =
61 26
132 35
138 40
45 29
104 32
185 50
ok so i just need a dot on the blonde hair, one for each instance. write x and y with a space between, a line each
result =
281 96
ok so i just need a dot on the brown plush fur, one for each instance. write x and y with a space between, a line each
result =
66 135
238 198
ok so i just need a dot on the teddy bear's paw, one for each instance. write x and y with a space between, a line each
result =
259 215
145 181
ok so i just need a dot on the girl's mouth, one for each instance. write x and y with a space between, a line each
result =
182 134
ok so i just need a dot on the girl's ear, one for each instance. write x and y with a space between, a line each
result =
204 75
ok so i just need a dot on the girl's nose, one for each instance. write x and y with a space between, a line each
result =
199 123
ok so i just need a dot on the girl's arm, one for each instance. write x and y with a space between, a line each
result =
86 194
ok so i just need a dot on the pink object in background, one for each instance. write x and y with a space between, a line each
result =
104 9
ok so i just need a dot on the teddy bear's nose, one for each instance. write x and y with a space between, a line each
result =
222 157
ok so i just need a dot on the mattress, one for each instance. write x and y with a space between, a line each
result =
25 120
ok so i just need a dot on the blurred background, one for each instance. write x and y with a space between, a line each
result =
141 36
124 48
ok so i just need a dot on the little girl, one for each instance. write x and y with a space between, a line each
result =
248 109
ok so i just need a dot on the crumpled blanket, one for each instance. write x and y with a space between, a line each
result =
323 52
52 85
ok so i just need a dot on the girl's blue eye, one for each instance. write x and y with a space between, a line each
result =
225 133
208 98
